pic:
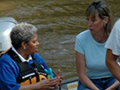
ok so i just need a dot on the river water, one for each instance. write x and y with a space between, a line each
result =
58 21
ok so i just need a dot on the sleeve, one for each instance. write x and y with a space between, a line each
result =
79 45
113 41
7 76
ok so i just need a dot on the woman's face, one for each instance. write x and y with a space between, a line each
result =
95 24
32 45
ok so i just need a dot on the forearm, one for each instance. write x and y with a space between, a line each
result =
30 87
87 82
114 86
112 64
114 68
46 84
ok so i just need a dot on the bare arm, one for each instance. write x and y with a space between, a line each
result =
46 84
112 64
113 86
80 65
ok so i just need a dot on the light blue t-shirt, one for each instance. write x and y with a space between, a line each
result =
94 53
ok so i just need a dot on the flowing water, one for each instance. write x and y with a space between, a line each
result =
58 21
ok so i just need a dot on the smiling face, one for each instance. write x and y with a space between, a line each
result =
32 45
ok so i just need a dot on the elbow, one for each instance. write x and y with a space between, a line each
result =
81 77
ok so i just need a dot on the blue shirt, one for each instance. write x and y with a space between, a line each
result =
94 53
9 71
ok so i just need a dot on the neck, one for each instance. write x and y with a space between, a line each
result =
22 53
100 37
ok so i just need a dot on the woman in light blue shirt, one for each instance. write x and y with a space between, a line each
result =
90 52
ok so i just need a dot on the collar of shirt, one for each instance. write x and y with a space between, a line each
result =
22 59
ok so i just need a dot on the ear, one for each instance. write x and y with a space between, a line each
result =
106 20
23 44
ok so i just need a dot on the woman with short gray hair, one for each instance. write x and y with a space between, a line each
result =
21 67
22 33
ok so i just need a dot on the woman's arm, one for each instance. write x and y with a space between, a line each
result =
46 84
112 64
80 65
113 86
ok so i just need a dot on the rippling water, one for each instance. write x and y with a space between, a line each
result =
58 21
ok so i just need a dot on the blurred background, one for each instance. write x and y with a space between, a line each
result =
58 21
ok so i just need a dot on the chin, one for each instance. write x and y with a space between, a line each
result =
36 50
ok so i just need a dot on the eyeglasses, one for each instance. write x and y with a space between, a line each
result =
98 6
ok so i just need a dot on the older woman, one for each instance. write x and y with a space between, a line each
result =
21 67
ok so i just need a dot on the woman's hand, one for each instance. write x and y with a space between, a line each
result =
59 77
51 83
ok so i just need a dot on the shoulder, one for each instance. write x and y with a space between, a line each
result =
38 58
5 58
36 55
8 63
117 24
83 35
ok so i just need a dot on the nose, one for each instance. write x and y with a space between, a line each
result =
37 43
89 23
